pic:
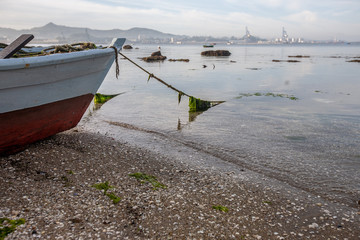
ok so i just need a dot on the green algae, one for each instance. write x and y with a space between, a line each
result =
269 94
196 104
8 226
103 98
113 197
143 178
100 99
267 202
105 187
220 208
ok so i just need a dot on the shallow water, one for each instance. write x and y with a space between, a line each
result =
312 143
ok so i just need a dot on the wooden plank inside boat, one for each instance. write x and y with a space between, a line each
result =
15 46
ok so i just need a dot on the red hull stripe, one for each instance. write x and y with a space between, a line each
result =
21 127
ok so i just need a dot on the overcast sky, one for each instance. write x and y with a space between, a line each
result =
310 19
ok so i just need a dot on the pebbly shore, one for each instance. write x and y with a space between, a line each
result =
54 186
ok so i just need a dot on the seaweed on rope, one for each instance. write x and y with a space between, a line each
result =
195 104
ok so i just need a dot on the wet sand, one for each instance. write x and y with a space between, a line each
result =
50 185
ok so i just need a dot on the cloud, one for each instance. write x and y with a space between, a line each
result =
258 26
264 18
272 3
285 5
79 13
341 13
304 17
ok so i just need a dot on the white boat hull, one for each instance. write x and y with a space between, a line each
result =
41 96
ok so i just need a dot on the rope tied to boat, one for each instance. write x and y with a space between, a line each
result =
117 71
195 104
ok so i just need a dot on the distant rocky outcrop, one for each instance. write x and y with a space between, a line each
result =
216 53
180 60
292 61
127 47
155 56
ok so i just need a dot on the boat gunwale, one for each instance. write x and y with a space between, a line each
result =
58 58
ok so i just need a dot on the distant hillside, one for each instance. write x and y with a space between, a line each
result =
57 34
52 33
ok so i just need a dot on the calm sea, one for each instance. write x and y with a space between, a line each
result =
312 143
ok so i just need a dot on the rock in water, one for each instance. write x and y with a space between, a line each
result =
216 53
158 53
155 56
127 47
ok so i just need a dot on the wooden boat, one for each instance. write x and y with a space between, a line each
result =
45 95
209 45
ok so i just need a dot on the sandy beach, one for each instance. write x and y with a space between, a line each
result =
54 186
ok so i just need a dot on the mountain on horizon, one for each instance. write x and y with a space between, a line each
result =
53 33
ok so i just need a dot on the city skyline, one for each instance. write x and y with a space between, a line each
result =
317 20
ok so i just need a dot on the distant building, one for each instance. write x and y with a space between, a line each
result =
285 36
248 38
286 39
